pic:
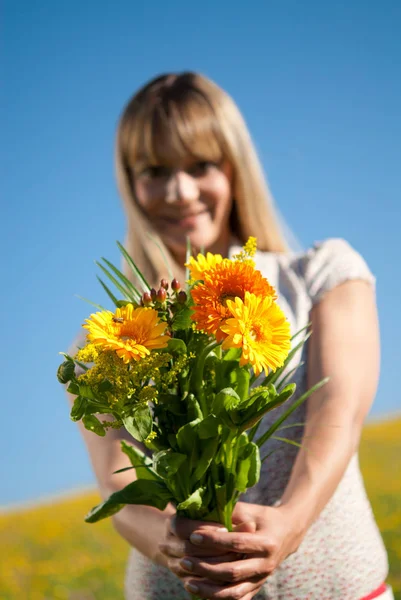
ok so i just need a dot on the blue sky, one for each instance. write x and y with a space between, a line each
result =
320 88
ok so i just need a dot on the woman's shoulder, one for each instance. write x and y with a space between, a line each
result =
323 266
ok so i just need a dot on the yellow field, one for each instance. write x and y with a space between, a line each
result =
51 554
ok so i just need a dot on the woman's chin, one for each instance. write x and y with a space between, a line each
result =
178 242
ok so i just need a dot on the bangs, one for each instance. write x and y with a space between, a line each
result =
170 130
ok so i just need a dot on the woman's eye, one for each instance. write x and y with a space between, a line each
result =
154 171
201 167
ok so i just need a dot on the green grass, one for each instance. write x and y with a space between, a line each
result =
53 555
380 458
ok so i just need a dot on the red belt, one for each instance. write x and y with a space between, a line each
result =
380 590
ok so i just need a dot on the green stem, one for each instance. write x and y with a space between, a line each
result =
253 431
198 377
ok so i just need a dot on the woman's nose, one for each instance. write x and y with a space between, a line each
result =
181 187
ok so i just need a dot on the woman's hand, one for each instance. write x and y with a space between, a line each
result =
177 547
234 565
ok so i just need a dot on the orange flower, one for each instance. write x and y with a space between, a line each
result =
224 281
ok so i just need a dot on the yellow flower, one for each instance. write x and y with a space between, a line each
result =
198 266
247 252
258 326
130 332
225 281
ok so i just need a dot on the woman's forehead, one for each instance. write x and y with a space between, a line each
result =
175 152
180 134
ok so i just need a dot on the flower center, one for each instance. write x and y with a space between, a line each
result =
255 333
227 296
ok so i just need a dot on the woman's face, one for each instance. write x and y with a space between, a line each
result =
190 200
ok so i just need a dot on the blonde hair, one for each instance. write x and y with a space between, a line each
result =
177 115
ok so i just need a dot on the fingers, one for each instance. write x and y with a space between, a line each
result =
227 571
174 547
182 527
241 542
205 589
184 567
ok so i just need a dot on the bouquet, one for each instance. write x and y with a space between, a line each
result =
189 372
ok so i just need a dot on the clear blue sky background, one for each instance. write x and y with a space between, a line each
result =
319 84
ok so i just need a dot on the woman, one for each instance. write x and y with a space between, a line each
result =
186 167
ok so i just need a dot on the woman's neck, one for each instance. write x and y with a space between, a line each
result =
221 246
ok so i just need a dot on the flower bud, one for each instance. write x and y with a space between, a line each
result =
153 293
164 284
161 295
175 284
146 299
182 297
65 372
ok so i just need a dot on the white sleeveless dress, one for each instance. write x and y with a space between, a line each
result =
342 556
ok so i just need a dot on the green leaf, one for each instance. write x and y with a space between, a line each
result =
239 380
209 427
227 399
208 452
86 391
274 375
291 425
139 461
116 283
167 462
301 330
281 383
102 511
176 346
66 371
73 388
134 268
193 503
248 467
141 491
224 406
105 386
290 410
264 403
107 290
129 286
193 408
98 306
187 435
182 319
139 423
93 424
123 470
171 403
287 392
78 408
286 440
233 354
121 303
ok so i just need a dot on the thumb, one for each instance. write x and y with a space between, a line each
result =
245 527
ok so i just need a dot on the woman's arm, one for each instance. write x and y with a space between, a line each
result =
144 527
345 347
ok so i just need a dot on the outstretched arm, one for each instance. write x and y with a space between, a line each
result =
345 347
144 527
